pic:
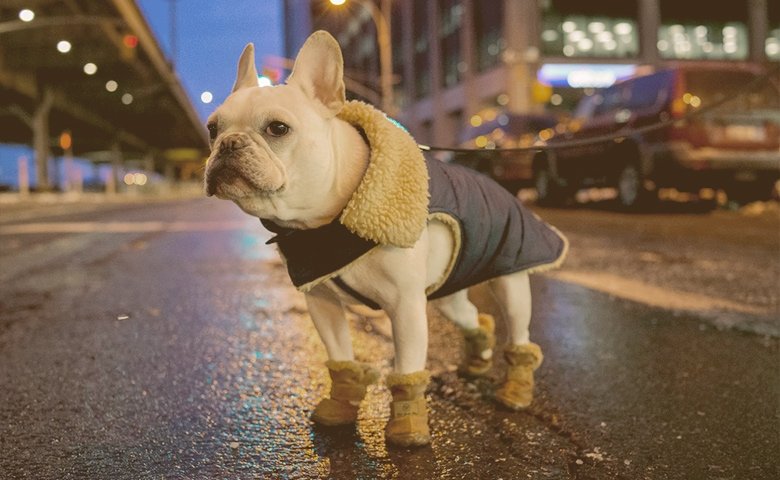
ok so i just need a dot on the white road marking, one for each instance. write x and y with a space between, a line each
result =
124 227
612 284
652 295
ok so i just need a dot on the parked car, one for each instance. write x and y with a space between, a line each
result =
512 170
734 147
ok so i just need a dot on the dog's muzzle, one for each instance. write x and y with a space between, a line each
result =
237 168
221 174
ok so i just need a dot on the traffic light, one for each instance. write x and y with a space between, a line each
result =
271 74
66 140
129 44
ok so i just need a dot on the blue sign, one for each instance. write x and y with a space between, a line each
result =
581 75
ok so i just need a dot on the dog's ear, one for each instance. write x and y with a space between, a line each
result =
319 72
247 73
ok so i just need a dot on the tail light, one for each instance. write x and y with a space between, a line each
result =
678 106
678 109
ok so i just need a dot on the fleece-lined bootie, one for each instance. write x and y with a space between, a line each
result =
408 425
347 389
518 389
479 343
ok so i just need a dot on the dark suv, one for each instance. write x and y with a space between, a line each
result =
734 147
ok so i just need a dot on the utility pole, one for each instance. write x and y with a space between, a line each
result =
40 127
172 34
381 17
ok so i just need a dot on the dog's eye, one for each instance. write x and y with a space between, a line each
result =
277 129
212 130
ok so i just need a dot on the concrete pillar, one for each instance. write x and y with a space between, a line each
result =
649 22
383 19
69 183
468 45
116 164
24 176
758 29
521 31
436 61
170 174
78 181
149 162
408 68
66 143
40 128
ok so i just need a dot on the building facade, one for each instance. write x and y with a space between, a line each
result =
455 62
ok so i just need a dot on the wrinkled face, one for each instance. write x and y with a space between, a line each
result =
260 138
271 147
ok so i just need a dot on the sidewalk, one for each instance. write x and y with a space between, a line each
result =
179 190
15 206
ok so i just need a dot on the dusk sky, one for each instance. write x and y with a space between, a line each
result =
210 38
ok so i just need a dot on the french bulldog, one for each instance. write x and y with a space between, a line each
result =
361 217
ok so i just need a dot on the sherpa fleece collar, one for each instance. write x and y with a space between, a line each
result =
390 205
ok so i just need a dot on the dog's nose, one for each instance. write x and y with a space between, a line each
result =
233 141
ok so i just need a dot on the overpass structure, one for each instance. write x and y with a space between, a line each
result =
92 73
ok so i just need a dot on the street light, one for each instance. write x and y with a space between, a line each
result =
26 15
379 16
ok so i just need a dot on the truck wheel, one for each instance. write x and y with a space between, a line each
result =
751 192
548 192
631 190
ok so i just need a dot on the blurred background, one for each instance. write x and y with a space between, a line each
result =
112 96
147 331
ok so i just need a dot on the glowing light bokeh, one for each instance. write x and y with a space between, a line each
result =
26 15
64 46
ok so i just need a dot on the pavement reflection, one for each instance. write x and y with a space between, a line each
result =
217 367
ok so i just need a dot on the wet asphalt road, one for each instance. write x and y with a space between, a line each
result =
164 340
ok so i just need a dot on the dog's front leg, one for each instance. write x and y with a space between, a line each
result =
410 332
327 312
395 278
349 379
408 424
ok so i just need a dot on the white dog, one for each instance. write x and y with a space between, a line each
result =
361 216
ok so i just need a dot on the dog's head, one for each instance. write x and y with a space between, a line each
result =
271 145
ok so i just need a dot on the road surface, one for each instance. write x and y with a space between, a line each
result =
163 340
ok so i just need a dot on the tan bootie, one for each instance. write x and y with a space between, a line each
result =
518 389
347 389
479 343
408 425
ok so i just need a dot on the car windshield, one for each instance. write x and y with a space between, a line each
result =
587 105
709 86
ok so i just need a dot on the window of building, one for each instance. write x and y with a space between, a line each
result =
592 29
450 20
693 30
488 19
357 37
422 67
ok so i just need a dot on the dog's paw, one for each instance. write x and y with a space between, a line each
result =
331 413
